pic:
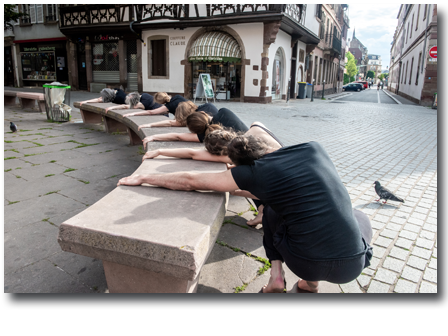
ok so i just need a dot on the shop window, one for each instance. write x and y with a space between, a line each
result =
106 64
158 57
38 66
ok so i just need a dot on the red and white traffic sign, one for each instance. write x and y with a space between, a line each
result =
433 52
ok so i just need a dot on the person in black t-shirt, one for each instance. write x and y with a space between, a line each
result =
200 124
308 219
116 96
167 103
183 110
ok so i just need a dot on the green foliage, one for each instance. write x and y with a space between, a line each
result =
49 175
351 65
381 77
241 288
69 170
11 15
370 74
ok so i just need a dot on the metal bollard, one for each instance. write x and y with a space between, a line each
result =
312 91
323 90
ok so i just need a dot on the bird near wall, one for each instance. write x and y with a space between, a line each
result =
12 127
385 194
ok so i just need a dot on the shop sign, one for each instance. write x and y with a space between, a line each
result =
177 40
213 59
97 61
105 38
47 48
30 49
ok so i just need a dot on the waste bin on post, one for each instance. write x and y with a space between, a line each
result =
302 90
309 88
57 101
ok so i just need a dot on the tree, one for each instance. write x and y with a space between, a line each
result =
370 74
351 65
11 15
381 77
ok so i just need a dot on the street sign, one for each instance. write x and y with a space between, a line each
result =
433 52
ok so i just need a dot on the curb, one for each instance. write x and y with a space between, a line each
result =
397 101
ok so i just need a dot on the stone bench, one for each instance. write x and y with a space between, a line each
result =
10 98
151 240
29 99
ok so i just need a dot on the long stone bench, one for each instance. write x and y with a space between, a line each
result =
151 240
29 100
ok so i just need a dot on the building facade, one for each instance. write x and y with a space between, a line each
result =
35 49
360 52
374 64
413 67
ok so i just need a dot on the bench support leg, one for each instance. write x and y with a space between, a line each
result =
113 126
90 117
134 139
10 101
127 279
27 103
41 105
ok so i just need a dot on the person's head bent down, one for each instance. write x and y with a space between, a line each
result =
199 123
108 95
162 98
216 142
183 110
133 99
245 149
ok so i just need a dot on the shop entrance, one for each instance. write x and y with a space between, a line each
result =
277 75
9 69
225 76
217 53
82 70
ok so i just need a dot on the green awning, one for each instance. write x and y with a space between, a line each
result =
215 47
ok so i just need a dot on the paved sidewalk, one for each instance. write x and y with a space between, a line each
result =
54 171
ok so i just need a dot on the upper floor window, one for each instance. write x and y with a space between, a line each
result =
319 11
412 26
51 13
35 14
25 9
418 16
424 13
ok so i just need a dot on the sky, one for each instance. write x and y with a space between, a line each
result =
374 26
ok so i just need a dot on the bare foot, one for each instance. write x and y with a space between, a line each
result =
309 286
276 282
257 220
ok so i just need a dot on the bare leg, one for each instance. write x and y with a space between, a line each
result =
276 282
310 286
258 219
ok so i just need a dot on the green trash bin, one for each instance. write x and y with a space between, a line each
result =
302 90
57 101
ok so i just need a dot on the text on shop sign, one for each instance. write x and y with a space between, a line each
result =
177 40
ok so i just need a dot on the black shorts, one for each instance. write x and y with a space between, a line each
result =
337 271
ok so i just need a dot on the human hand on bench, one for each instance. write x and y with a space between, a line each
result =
144 126
150 155
147 139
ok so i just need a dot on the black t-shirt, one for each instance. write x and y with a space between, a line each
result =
209 108
301 184
227 119
148 102
172 105
120 97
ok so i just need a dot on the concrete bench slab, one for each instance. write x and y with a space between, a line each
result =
29 100
150 239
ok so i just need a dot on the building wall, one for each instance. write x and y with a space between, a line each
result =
282 41
311 21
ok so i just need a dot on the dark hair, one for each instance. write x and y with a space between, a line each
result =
198 123
245 149
216 142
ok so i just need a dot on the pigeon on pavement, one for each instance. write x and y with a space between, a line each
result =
12 127
385 194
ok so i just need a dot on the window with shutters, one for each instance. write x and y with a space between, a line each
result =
27 20
418 68
51 13
158 57
39 13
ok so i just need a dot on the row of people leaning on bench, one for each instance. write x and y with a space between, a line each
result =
308 220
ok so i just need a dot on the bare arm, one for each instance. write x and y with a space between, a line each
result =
185 181
117 107
160 110
243 193
189 137
94 100
186 153
164 123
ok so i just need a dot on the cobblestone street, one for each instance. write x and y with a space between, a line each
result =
394 144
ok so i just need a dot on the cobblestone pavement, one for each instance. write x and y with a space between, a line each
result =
394 144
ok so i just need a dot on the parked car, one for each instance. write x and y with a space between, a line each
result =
353 87
364 83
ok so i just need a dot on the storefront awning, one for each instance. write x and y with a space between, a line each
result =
215 47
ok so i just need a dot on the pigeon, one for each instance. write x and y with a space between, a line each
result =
12 127
385 194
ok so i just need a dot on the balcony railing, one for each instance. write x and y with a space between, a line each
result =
336 43
71 15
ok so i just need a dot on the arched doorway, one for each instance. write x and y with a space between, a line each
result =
218 54
277 75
